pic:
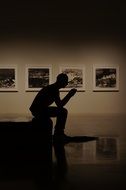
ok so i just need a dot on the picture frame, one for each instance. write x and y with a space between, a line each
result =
105 78
76 77
8 78
37 77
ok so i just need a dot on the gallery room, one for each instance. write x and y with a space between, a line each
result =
39 41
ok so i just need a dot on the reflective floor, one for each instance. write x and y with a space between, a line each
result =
98 164
80 164
94 164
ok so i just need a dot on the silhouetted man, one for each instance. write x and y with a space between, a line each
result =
41 106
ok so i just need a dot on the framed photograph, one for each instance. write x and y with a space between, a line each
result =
76 77
37 77
8 78
105 78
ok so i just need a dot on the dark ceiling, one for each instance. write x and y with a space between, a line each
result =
63 19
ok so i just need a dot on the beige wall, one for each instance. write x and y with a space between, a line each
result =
22 54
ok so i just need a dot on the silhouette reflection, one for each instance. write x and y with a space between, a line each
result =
61 166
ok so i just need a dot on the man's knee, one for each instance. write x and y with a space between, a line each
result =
64 111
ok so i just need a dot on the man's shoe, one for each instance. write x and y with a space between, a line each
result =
62 138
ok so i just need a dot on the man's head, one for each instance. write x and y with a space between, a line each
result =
62 80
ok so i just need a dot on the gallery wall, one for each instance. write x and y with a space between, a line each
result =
25 54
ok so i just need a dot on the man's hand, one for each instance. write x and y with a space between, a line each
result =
72 91
64 101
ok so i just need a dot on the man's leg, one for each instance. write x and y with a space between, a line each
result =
61 121
61 115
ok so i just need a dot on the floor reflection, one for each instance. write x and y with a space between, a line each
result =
60 167
107 148
102 150
63 152
88 164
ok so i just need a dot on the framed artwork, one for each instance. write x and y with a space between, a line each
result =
37 77
8 78
76 77
105 78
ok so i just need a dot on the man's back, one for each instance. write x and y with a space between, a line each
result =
44 98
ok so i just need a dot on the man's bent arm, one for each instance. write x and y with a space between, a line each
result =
63 102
